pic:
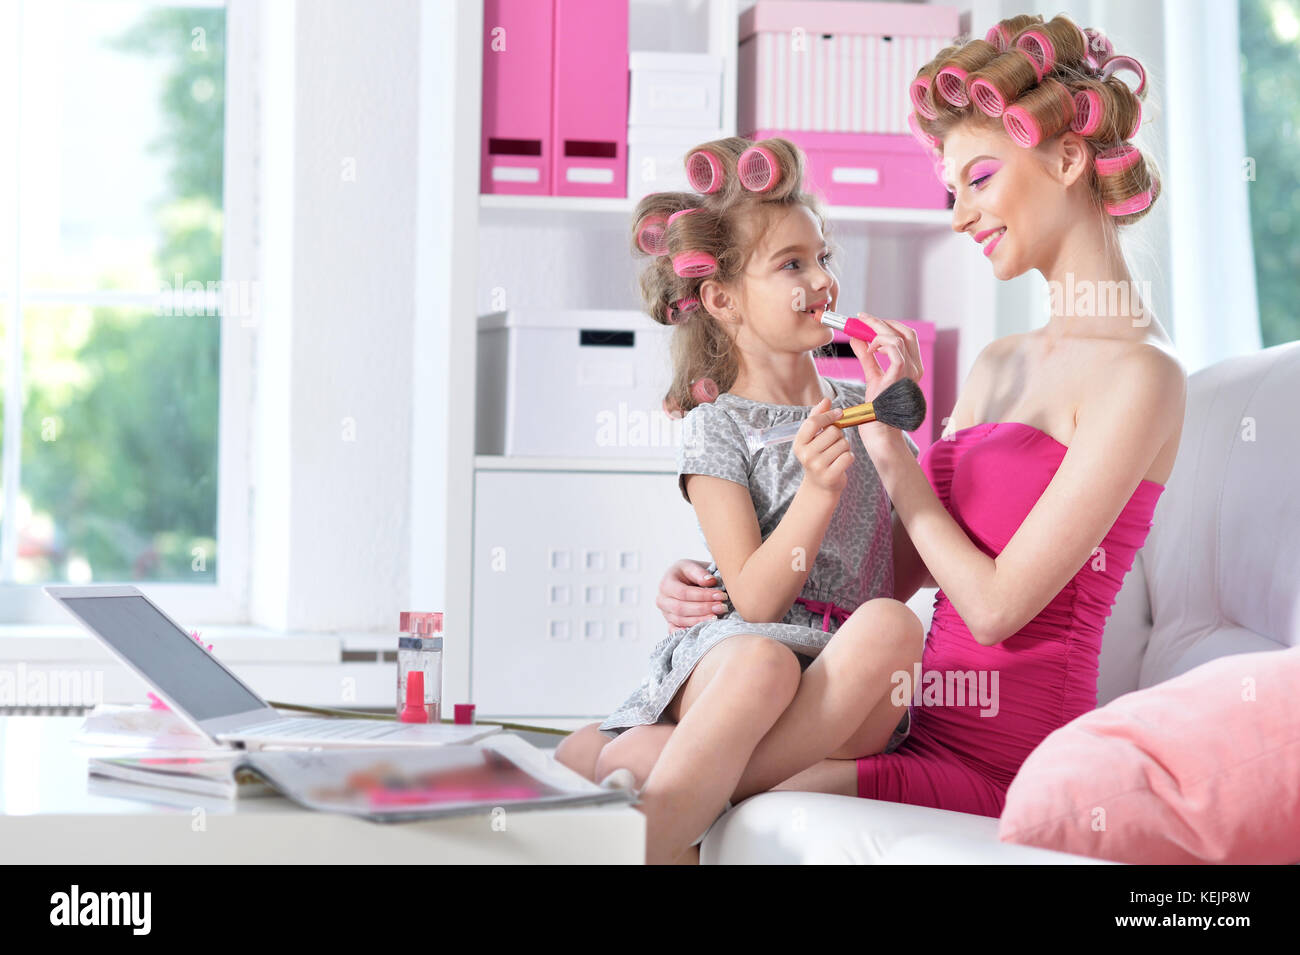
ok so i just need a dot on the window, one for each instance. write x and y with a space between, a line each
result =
111 291
1270 86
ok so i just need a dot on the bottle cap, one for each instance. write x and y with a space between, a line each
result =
414 711
464 714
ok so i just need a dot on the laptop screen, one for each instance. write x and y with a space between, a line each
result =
168 657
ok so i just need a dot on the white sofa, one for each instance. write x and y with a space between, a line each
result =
1219 574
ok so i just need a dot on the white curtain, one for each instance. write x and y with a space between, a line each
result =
1216 312
1194 247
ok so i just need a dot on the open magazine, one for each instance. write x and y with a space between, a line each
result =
393 784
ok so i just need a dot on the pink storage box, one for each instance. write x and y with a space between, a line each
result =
859 169
555 86
850 367
835 67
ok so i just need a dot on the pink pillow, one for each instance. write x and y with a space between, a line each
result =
1204 767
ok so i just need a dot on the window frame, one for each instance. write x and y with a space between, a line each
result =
227 600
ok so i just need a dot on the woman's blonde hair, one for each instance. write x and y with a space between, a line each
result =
1037 80
711 237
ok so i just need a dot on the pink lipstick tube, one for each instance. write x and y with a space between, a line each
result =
854 327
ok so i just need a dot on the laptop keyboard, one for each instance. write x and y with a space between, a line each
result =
320 729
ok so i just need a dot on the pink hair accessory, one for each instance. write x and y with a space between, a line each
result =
1087 112
1125 63
920 135
704 172
919 92
1097 43
681 307
757 168
705 390
1033 61
651 237
987 97
997 35
694 265
1021 126
951 83
1117 159
677 215
1039 47
1129 206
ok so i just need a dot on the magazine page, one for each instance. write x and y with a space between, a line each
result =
393 784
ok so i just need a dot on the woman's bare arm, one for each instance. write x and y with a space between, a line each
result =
1117 436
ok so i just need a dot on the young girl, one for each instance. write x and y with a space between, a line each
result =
800 533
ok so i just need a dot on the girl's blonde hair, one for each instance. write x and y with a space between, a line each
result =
1036 80
726 224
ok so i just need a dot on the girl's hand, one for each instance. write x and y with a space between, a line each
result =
689 594
823 449
898 341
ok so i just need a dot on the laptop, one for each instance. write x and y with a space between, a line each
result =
208 696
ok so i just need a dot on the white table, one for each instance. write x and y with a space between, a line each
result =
52 812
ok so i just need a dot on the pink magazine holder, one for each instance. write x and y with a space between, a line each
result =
516 149
590 88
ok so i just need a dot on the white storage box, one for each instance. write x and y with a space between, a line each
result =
566 568
574 383
656 157
675 89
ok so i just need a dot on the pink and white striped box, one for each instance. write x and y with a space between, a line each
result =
835 66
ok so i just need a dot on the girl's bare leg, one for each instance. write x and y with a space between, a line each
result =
579 750
748 682
844 697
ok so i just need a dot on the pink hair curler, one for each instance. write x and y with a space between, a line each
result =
1098 47
1022 127
919 91
681 307
1131 205
651 238
1125 63
757 168
951 84
704 172
677 215
997 35
920 135
1087 112
705 390
987 97
1116 159
1039 47
694 265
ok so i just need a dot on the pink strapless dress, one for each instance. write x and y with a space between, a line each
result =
989 476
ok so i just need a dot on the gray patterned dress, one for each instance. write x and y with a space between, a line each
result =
855 563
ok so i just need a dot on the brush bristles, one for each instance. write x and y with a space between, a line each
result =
901 405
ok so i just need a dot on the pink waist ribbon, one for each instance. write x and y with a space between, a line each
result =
827 610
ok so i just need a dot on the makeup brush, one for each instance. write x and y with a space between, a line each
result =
901 405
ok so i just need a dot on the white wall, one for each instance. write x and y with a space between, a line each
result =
334 343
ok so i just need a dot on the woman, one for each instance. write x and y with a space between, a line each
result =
1028 511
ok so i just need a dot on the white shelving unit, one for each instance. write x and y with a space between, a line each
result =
563 252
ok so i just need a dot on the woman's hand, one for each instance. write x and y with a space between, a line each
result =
689 594
898 341
823 449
